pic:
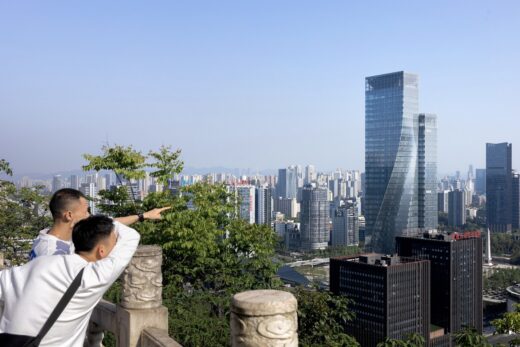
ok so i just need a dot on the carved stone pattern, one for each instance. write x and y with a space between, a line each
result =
142 279
263 319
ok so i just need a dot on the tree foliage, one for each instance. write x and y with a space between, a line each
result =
412 340
208 253
502 278
322 317
23 212
469 336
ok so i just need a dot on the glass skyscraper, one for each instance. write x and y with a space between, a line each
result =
499 182
400 161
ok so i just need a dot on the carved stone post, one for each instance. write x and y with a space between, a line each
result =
264 318
141 303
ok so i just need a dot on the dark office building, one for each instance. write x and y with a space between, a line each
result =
391 295
515 202
456 276
456 208
499 180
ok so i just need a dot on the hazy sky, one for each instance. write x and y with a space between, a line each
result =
249 84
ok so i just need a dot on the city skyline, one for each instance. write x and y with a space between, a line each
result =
229 84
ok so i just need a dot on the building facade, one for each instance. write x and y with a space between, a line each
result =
390 296
456 208
499 180
314 218
263 205
400 160
456 276
345 225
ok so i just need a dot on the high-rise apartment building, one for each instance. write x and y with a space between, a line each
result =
456 276
246 203
345 225
57 183
400 160
499 181
456 208
74 182
442 201
314 218
90 191
287 186
390 296
263 205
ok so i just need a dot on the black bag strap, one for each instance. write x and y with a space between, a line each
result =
60 307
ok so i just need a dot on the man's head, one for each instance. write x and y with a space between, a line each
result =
94 237
68 206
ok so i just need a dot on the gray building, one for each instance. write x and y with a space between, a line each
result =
499 181
314 218
287 186
74 182
457 208
480 181
263 206
442 201
345 225
400 161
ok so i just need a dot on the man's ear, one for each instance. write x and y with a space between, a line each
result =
101 250
68 216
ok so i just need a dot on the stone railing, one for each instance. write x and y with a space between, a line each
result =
140 320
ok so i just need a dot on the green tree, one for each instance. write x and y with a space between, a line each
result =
209 254
510 322
23 212
470 337
412 340
321 319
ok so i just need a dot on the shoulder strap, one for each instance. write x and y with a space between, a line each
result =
60 307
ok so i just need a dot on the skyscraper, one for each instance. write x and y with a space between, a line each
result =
287 186
480 181
499 180
74 182
345 225
515 202
263 205
400 160
456 208
314 218
57 183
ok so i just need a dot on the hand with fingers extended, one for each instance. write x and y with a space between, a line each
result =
155 213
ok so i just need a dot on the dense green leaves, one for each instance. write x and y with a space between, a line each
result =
470 337
23 212
501 279
321 319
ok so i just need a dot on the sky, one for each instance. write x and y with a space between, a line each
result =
249 84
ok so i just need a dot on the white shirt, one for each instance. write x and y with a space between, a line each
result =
46 244
30 292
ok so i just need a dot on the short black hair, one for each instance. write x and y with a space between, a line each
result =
88 232
61 200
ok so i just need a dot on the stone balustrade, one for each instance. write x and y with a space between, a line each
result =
140 320
264 318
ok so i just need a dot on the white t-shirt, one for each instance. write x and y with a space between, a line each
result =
30 292
46 244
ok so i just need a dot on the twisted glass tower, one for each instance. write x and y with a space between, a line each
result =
400 161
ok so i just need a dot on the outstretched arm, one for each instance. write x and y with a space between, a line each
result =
150 215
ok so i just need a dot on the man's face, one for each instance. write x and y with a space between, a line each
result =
79 210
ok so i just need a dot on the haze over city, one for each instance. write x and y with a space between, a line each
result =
250 85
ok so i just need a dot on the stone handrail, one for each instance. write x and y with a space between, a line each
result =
140 320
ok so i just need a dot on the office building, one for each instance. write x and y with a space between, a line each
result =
289 207
456 276
442 201
400 160
314 218
57 183
456 208
499 180
390 296
287 185
480 181
515 202
74 182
